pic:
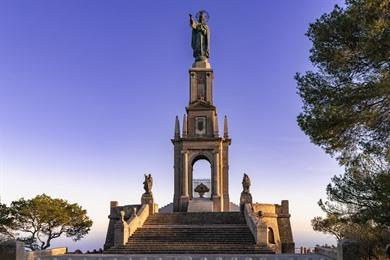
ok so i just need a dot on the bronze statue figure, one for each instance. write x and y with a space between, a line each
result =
200 36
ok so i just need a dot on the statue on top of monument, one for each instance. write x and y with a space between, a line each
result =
148 183
200 36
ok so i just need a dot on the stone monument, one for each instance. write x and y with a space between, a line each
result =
200 137
261 228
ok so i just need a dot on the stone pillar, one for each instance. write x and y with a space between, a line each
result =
193 92
121 231
12 250
184 198
177 178
185 126
216 191
262 236
215 126
348 249
209 86
185 174
111 225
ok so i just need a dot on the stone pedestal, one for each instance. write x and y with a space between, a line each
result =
201 64
147 198
183 203
245 197
217 206
200 205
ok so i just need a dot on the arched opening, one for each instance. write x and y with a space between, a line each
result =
201 178
271 237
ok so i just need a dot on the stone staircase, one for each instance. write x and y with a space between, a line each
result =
192 233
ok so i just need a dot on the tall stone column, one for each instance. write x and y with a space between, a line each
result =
216 195
185 174
184 199
216 191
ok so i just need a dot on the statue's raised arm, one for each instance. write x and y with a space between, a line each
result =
200 36
192 23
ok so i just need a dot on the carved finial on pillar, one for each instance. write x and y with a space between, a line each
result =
225 128
134 212
122 217
246 196
177 128
185 126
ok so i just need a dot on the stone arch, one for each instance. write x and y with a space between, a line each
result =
195 156
200 155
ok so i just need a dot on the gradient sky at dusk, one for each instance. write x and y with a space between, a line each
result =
89 91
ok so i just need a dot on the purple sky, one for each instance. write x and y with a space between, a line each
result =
89 91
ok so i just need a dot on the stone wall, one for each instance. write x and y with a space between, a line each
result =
34 255
277 219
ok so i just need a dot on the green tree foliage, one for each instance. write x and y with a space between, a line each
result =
347 99
38 221
346 111
6 222
373 238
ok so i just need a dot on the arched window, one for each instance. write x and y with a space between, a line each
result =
271 238
201 173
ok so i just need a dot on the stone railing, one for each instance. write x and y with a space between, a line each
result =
256 226
124 229
326 251
346 249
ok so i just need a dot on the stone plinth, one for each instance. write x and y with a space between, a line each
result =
147 198
200 205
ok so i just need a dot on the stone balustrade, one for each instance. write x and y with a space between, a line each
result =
329 252
124 229
257 227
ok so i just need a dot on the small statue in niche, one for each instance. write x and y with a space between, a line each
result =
148 183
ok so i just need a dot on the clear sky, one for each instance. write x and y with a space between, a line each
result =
89 91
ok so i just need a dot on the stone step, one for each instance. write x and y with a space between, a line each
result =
197 250
192 233
218 240
196 218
